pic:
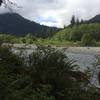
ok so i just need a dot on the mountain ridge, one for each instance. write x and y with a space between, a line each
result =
13 23
95 19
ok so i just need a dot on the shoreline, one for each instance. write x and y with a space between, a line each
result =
84 50
76 50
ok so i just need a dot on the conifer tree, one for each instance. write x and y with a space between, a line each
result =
77 21
73 21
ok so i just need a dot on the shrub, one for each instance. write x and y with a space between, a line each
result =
49 75
88 40
51 66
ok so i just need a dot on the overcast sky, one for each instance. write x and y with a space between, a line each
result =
56 12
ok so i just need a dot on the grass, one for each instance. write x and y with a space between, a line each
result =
54 42
59 43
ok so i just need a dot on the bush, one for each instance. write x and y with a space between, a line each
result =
51 66
76 32
49 75
88 40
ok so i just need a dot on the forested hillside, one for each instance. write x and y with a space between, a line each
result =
15 24
88 32
75 33
95 19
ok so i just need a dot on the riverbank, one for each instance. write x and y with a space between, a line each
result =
84 50
77 50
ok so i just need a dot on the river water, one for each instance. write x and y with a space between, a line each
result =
86 61
83 56
83 60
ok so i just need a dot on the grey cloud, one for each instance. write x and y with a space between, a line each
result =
61 10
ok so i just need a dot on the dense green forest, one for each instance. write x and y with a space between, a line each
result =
46 74
15 24
84 34
78 35
76 32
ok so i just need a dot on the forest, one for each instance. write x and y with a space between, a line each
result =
81 35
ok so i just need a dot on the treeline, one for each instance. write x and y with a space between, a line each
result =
78 33
76 21
83 35
45 32
46 74
28 39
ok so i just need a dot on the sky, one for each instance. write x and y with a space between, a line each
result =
55 12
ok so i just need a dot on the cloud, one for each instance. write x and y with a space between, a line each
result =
56 12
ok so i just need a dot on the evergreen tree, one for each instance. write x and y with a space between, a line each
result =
77 21
82 21
73 21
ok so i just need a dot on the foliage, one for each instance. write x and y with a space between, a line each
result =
49 75
76 32
88 40
5 38
67 37
73 21
13 23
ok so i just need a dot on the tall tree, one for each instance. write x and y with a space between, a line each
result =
82 21
73 22
77 21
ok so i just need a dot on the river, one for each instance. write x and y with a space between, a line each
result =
85 57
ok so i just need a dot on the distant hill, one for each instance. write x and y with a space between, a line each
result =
15 24
95 19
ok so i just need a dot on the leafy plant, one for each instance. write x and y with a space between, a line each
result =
88 40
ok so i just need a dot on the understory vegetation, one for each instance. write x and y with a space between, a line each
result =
46 74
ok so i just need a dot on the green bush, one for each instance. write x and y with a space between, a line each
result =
76 32
88 40
49 75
